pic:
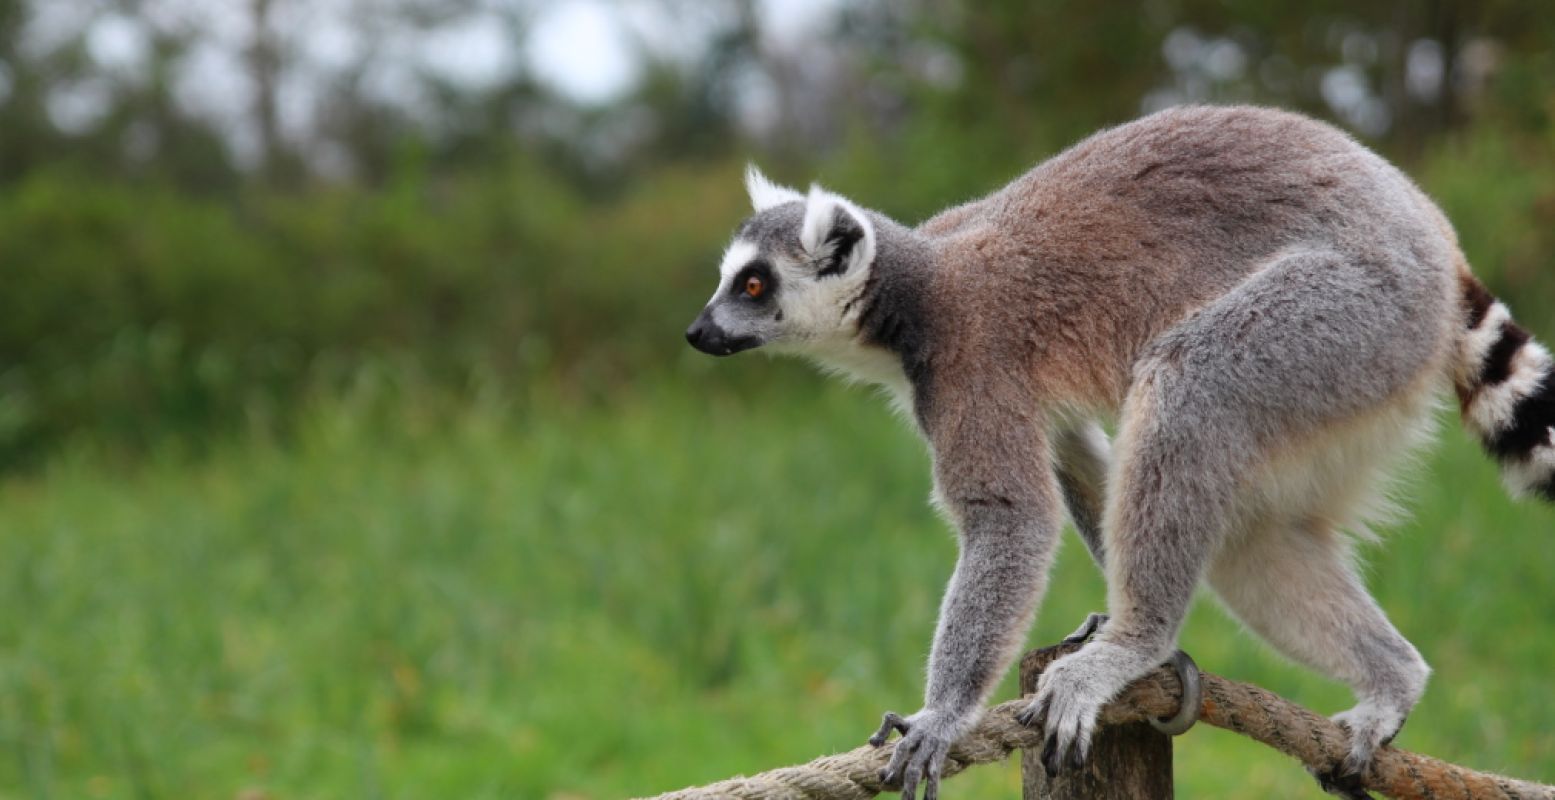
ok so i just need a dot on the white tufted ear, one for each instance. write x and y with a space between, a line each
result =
764 193
837 235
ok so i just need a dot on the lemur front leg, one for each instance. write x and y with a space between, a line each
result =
992 475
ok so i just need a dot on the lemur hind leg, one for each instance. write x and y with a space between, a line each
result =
1289 576
1311 340
1171 499
1294 585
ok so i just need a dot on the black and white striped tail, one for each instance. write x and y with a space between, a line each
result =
1506 384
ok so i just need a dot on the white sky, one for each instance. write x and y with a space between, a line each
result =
581 47
586 49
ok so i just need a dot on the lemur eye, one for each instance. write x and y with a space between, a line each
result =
754 286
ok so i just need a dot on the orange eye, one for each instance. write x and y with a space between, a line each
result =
754 286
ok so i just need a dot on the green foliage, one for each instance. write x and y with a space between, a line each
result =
1505 223
133 312
564 602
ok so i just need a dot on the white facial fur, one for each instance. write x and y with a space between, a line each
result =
821 313
736 255
816 310
813 315
815 307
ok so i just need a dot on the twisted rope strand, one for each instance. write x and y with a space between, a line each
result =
1245 709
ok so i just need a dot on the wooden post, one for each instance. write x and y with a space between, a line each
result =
1129 762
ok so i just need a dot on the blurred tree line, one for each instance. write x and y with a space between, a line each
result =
210 212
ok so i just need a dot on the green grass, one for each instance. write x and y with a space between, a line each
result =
570 603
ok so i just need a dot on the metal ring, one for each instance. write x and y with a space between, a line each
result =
1192 697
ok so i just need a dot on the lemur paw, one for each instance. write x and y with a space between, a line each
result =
1069 698
1340 785
920 753
1371 727
1090 627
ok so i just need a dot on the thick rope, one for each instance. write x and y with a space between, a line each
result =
1253 712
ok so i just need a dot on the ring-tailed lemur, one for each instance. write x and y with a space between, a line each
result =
1268 311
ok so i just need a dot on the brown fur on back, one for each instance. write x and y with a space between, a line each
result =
1095 252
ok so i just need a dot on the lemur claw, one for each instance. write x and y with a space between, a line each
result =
891 721
1056 758
1033 715
1340 782
1093 623
1050 756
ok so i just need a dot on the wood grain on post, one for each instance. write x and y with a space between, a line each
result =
1130 762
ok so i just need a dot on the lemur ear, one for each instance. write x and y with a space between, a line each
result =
766 194
836 235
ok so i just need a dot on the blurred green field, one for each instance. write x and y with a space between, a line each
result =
548 600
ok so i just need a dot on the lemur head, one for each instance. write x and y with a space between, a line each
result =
789 277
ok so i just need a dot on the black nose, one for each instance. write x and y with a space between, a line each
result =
695 333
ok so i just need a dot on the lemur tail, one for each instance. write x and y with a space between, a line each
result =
1506 386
